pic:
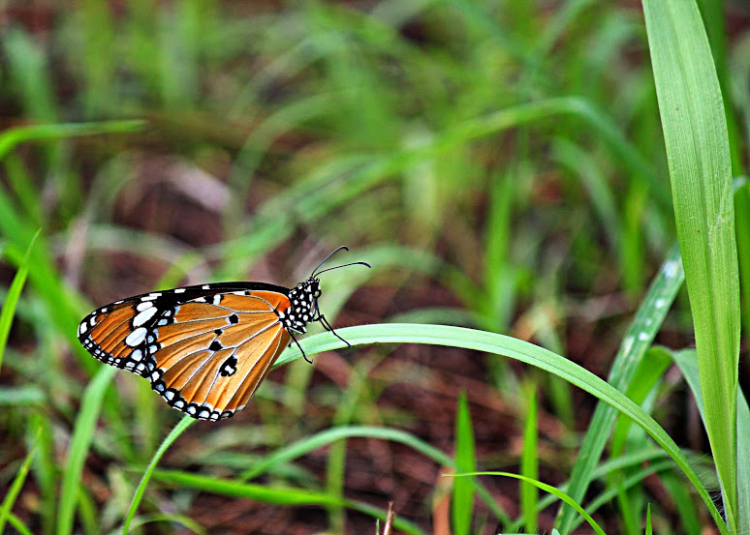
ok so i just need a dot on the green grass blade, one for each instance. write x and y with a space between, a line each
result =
547 488
12 137
330 436
180 428
695 133
276 495
17 485
12 297
636 341
743 462
688 363
522 351
80 442
742 223
463 489
19 525
530 460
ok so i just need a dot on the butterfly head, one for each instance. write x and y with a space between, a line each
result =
304 299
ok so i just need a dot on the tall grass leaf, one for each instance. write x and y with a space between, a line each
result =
636 341
78 449
547 488
17 485
12 297
519 350
530 459
463 489
695 133
180 428
649 529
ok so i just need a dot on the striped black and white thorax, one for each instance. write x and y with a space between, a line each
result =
304 306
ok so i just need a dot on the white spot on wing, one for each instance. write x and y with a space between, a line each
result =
144 316
136 337
144 306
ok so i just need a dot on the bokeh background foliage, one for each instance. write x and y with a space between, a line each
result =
505 166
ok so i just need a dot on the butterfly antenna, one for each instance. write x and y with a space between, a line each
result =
344 265
344 247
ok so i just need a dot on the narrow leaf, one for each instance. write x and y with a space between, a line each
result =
697 144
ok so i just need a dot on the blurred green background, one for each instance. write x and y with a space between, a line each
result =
501 165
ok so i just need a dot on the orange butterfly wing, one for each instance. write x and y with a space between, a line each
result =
205 356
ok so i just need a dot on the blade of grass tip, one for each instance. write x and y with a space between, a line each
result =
639 337
180 428
547 488
648 520
12 137
12 297
463 489
80 442
530 459
696 140
525 352
15 487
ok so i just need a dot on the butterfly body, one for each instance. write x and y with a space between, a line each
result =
204 348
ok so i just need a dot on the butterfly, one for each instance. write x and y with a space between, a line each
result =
206 348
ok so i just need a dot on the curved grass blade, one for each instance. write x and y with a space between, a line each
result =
12 137
636 341
524 352
547 488
276 495
19 525
329 436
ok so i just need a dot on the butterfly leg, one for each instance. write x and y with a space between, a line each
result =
304 355
322 319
